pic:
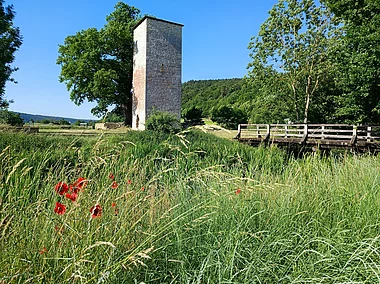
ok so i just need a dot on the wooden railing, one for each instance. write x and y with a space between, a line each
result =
338 135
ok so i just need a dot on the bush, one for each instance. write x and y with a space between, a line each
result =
113 117
193 116
161 121
228 117
11 118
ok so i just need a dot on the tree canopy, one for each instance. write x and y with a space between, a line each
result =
290 54
357 60
10 42
96 65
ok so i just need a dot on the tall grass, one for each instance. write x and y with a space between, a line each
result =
189 208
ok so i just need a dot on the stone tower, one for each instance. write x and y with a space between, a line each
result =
157 67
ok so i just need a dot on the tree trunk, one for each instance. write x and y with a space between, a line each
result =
307 104
309 94
295 100
127 111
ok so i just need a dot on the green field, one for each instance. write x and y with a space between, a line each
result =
189 208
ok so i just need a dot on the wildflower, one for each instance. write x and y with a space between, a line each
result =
113 204
143 188
60 209
114 184
96 211
237 191
71 188
129 181
111 176
43 250
72 196
81 183
61 188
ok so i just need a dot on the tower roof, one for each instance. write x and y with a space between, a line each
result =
156 19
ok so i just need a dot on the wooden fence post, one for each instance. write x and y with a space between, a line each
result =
267 135
354 135
323 132
239 132
305 132
369 132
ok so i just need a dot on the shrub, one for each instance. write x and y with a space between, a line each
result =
113 117
193 116
161 121
228 117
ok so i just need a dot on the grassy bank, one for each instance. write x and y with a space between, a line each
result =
191 208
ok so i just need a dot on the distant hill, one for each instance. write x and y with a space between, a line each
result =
206 94
36 117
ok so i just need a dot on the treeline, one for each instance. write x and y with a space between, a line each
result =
18 119
234 95
226 101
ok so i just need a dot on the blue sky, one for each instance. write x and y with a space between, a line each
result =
215 39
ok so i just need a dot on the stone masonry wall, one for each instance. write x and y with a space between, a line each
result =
158 83
139 76
164 65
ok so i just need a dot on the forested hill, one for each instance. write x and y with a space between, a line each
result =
206 94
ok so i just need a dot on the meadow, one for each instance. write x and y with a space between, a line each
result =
185 208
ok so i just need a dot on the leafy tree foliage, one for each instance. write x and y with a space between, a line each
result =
10 42
97 64
193 116
63 122
112 117
358 60
228 117
208 94
290 54
9 117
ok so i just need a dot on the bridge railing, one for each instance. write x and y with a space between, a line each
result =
309 132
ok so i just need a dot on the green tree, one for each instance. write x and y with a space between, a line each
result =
63 122
97 64
193 116
11 118
112 117
228 117
290 54
10 42
358 60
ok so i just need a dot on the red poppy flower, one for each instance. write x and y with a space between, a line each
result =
96 211
72 196
114 184
111 176
81 183
60 209
113 204
61 188
43 250
129 181
143 188
237 191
